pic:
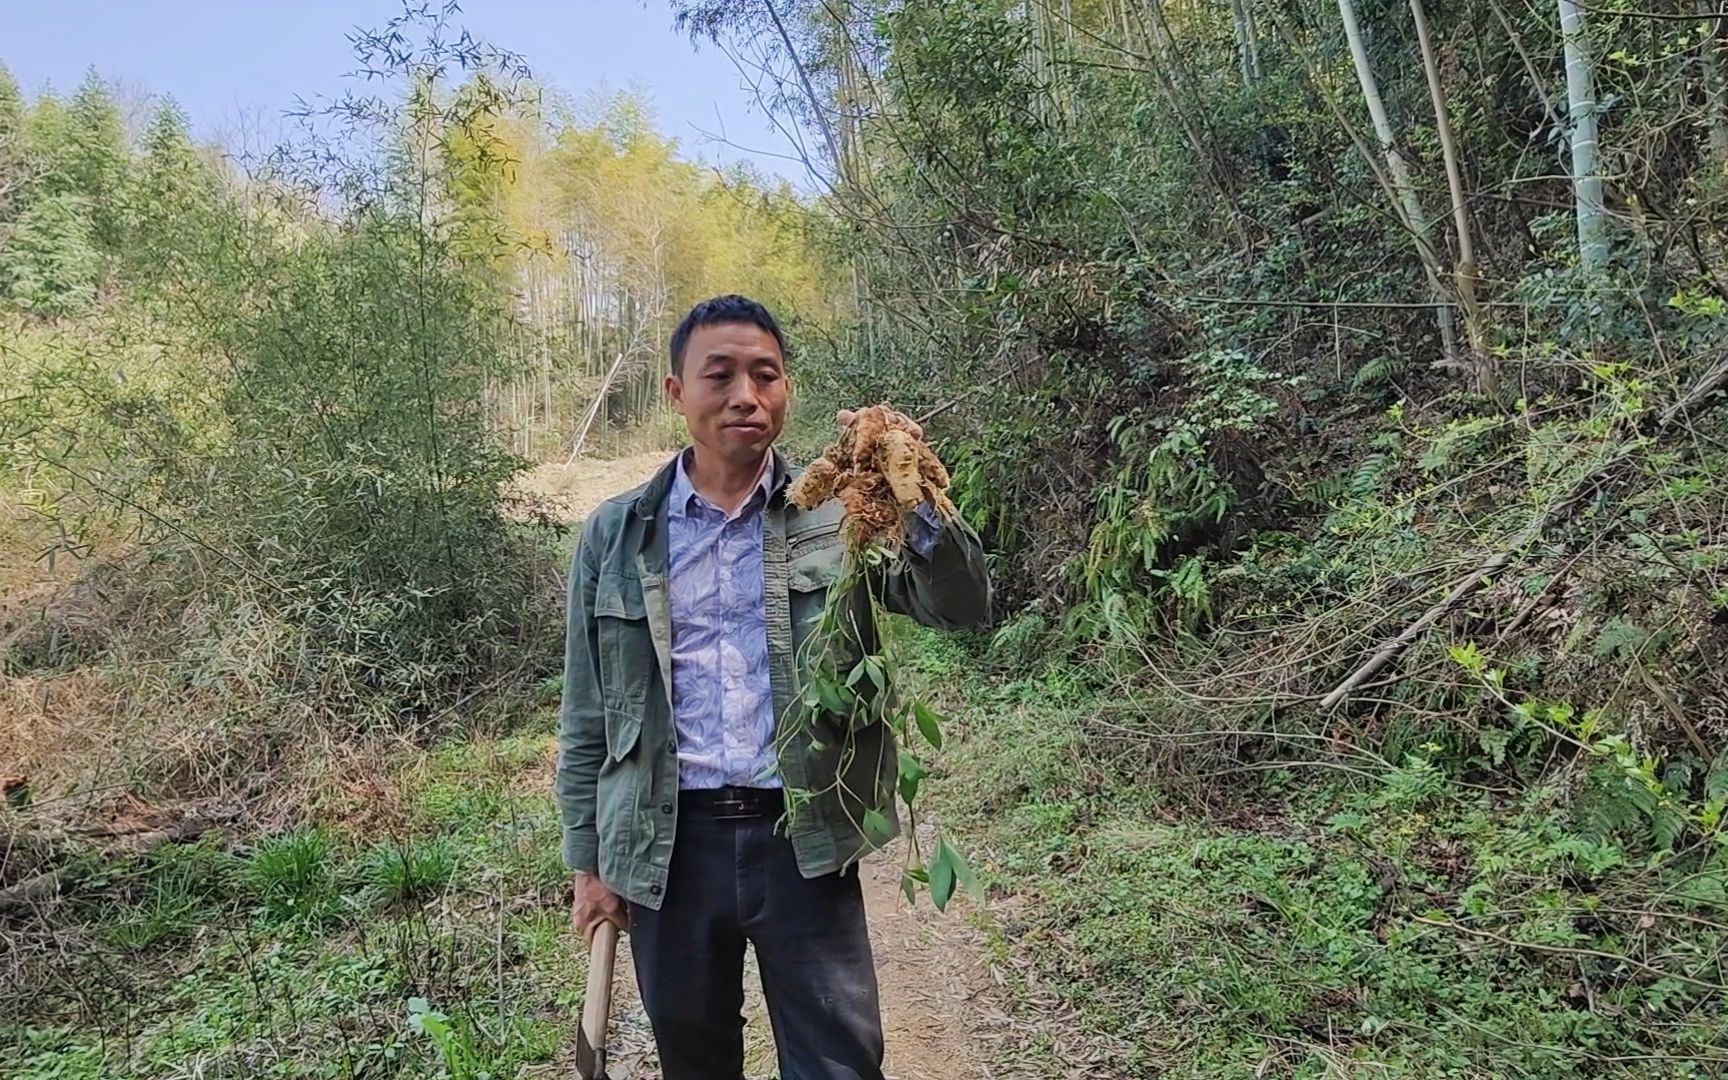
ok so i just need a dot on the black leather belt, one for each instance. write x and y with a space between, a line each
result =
730 803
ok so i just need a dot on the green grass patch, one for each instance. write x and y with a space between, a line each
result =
442 951
294 877
1403 925
403 876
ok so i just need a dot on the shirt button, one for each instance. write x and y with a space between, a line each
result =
653 890
665 808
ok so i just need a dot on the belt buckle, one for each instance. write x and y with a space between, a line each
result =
732 809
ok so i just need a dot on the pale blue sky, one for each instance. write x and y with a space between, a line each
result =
235 65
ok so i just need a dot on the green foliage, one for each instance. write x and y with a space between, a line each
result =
283 404
408 874
294 877
377 516
455 1045
93 160
1160 504
191 953
169 894
875 686
1020 640
50 264
13 130
172 206
1411 926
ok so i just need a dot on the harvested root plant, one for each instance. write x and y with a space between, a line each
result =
881 471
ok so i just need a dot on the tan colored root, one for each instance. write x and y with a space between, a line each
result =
932 470
879 471
816 485
900 466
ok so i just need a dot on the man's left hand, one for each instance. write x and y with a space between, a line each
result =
845 417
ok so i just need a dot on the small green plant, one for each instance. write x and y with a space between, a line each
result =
451 1038
408 874
1020 640
1645 790
1188 586
294 877
548 690
466 1050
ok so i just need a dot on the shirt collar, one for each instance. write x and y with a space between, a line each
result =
678 499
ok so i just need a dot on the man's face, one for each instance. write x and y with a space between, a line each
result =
732 394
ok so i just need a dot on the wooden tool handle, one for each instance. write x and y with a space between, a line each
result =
597 1003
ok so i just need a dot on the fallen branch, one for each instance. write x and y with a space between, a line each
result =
181 832
46 885
1697 399
32 890
1565 950
1493 564
1676 712
593 411
1702 396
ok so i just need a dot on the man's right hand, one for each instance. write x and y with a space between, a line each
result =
594 904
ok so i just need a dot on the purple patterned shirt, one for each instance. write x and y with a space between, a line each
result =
722 701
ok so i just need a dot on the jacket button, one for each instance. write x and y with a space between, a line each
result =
653 890
665 808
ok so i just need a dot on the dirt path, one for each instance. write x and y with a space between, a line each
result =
934 980
936 989
937 992
576 490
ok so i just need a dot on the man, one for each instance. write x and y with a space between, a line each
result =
692 602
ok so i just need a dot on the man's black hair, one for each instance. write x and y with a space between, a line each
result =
730 308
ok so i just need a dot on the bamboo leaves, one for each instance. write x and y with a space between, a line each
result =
929 724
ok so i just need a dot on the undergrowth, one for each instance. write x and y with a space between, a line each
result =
1299 920
439 947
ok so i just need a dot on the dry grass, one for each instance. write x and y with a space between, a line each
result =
152 715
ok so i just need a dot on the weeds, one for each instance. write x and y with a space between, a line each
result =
295 877
301 955
1406 922
405 875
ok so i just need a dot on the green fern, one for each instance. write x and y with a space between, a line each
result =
1379 369
1327 490
1368 478
1020 639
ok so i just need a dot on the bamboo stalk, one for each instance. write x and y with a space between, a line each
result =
1581 115
1464 273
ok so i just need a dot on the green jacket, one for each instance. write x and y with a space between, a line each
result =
617 774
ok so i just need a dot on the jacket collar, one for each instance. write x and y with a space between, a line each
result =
683 489
652 499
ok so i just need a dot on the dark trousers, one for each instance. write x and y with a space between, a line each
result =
732 880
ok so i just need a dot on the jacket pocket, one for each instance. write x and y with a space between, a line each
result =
626 644
814 562
623 731
813 567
